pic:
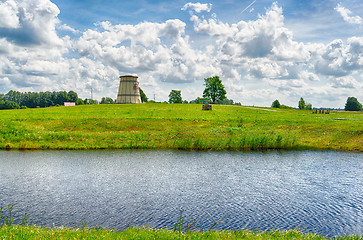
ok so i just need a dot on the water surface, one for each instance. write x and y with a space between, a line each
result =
319 192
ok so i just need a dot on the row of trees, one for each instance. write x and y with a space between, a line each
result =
352 104
15 99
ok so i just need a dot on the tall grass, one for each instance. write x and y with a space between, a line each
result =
182 230
178 126
34 232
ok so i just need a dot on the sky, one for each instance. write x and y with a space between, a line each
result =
261 50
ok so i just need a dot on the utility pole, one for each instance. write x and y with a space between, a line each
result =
91 93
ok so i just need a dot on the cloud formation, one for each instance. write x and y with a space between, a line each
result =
29 22
257 59
198 7
346 14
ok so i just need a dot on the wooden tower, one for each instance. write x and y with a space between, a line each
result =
128 91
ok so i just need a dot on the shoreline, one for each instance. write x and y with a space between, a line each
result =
36 232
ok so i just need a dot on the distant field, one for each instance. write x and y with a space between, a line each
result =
178 126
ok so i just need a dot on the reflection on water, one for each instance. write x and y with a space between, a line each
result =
318 192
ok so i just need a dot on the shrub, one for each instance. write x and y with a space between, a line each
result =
276 104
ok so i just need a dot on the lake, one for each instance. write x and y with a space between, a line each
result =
315 191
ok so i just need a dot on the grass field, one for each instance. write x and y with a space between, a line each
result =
33 232
178 126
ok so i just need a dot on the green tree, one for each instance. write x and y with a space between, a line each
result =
276 104
79 101
143 96
226 101
9 105
308 106
352 104
175 96
72 96
301 104
107 100
214 89
89 101
14 96
199 100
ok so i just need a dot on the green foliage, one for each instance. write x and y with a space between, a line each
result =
199 100
227 101
308 106
72 96
41 99
183 224
276 104
8 219
144 99
36 232
79 102
175 96
301 104
107 100
352 104
285 107
89 101
304 106
214 89
182 230
9 105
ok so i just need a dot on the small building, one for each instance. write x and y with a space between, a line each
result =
69 104
128 91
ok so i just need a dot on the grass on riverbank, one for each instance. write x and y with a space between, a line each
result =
34 232
178 126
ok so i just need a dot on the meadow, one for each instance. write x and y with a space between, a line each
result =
178 126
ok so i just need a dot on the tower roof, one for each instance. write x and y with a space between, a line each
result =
129 76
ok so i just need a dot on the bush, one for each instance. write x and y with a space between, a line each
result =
286 107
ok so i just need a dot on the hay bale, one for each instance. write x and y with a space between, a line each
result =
207 107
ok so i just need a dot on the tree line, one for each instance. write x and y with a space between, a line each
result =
16 100
352 104
214 92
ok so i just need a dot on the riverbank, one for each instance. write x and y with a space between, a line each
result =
34 232
178 126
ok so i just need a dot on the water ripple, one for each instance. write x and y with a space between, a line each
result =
318 192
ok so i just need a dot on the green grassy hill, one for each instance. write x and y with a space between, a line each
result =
178 126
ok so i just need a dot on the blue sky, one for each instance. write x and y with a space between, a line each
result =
262 50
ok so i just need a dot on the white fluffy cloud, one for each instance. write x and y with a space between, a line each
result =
198 7
263 48
346 14
257 60
340 59
29 22
8 15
